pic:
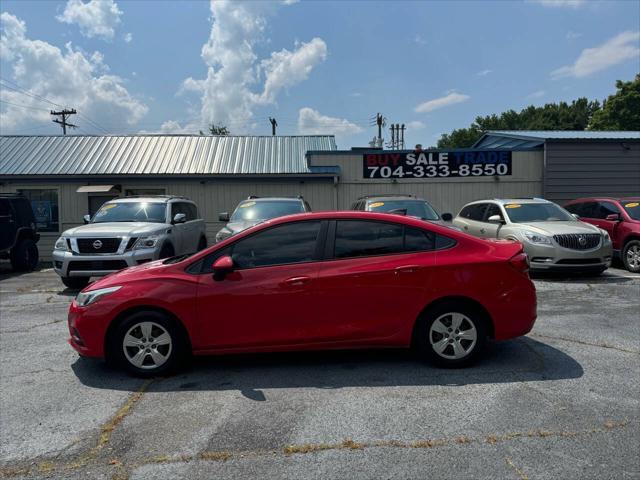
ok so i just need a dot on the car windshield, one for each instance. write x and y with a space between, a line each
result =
632 209
537 212
131 212
251 210
414 208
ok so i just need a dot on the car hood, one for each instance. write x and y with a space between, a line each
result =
239 226
559 228
116 229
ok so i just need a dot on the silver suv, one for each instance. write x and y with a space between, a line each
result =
125 232
552 237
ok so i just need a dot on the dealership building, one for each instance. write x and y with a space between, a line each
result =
67 177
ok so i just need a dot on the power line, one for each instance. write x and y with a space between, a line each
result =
64 113
24 106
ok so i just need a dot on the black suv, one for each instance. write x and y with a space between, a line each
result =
401 205
18 234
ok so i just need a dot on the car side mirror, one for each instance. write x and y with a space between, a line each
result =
223 217
495 219
180 218
222 266
87 218
614 217
447 217
576 216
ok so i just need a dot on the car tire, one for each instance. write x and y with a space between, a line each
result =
202 244
631 256
147 344
25 256
166 251
436 340
76 283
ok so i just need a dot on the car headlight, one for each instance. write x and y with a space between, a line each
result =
605 235
147 242
87 298
537 238
61 244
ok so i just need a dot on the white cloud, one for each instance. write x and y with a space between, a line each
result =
562 3
128 37
66 77
571 35
96 18
537 94
484 73
415 125
312 122
616 50
232 88
419 39
286 69
450 99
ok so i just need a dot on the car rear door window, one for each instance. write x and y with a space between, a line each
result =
416 240
474 212
355 238
284 244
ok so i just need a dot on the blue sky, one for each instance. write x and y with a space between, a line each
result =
316 66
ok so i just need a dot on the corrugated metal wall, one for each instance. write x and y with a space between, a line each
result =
585 169
445 194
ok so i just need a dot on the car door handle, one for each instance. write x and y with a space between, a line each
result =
482 230
296 281
407 269
466 228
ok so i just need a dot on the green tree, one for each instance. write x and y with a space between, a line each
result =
218 130
621 111
552 116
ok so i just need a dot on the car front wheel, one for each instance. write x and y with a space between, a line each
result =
631 256
147 344
451 336
24 257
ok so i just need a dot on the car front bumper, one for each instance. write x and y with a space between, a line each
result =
556 258
71 264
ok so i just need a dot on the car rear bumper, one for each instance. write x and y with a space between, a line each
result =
516 312
68 264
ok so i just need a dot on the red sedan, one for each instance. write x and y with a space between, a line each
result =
333 280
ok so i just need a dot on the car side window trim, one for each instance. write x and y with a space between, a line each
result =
205 267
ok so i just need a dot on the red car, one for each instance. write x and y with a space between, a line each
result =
618 216
332 280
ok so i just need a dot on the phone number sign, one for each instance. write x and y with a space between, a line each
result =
478 163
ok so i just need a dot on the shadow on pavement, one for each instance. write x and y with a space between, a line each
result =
585 278
519 360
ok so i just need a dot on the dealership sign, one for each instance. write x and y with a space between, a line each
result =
473 163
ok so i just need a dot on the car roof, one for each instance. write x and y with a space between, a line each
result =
149 199
604 199
271 199
506 201
394 198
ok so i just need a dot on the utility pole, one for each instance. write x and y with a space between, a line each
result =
402 137
393 143
64 113
274 124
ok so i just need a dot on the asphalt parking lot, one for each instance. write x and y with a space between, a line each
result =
563 402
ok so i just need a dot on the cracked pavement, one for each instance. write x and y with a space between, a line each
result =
562 402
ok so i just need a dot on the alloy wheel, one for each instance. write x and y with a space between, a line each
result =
633 257
453 336
147 345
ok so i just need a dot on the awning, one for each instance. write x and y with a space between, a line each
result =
97 188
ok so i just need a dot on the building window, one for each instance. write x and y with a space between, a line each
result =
143 192
44 203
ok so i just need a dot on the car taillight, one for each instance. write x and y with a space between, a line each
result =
520 262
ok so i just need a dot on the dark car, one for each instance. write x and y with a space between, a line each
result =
402 205
255 210
620 217
18 236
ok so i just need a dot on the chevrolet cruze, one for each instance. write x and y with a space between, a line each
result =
331 280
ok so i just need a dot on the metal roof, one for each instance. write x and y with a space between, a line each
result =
535 138
161 155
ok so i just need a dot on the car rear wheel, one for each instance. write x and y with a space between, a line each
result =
451 335
631 256
147 344
77 283
24 257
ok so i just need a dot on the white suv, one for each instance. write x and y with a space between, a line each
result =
126 232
